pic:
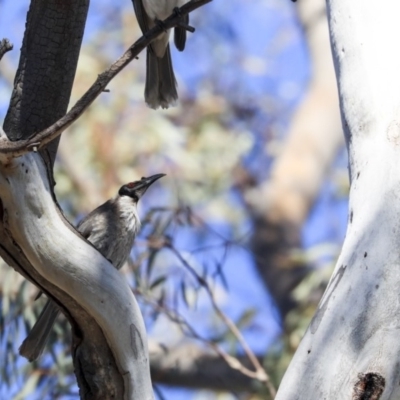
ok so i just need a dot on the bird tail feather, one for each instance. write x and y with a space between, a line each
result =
32 347
160 89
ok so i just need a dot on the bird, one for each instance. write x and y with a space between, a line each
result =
160 87
111 228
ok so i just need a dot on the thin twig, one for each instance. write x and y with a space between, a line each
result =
240 242
260 372
189 331
5 46
18 148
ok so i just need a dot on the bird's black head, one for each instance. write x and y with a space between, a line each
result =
137 189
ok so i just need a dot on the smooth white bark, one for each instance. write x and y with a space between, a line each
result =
352 344
70 263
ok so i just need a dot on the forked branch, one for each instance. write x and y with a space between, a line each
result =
9 149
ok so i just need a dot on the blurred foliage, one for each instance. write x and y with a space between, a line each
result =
199 148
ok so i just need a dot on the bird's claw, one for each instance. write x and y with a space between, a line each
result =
181 23
161 25
187 27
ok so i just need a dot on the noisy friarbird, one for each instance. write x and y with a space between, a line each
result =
160 88
111 228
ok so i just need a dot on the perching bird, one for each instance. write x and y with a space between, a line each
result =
160 88
111 228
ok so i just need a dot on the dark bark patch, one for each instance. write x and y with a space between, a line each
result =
365 255
369 386
351 216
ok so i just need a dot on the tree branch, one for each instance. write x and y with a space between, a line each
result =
259 372
46 70
5 46
189 365
32 220
9 149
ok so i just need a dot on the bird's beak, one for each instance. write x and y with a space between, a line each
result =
145 183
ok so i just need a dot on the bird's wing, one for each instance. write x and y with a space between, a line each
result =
96 222
144 21
84 227
141 15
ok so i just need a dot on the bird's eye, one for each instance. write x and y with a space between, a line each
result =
131 185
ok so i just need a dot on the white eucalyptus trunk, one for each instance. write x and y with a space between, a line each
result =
351 349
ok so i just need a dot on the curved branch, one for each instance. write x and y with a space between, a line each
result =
71 265
9 149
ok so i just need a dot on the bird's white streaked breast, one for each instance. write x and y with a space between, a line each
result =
161 9
128 213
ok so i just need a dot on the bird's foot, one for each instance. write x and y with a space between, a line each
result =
161 25
177 11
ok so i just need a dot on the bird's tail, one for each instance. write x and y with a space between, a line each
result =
160 89
32 347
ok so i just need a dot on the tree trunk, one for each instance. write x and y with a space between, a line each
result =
351 348
109 341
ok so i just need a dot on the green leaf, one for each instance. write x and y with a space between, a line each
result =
246 318
161 279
